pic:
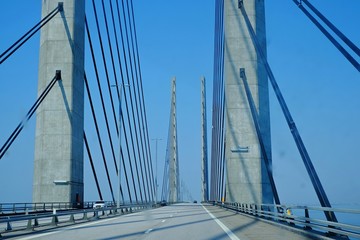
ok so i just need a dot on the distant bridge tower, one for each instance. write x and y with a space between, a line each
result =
246 176
204 155
172 150
58 163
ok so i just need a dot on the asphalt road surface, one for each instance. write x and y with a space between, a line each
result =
181 221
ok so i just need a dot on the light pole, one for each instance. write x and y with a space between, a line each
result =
120 115
156 156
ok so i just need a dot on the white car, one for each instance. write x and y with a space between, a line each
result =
99 204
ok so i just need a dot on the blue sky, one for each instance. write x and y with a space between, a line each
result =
176 39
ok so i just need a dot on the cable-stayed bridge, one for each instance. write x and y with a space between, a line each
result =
114 65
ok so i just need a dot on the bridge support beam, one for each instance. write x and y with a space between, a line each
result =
246 177
204 156
58 162
172 148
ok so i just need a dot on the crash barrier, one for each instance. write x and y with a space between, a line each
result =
306 217
35 220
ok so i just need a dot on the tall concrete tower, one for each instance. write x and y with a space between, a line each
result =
58 163
247 180
174 178
204 155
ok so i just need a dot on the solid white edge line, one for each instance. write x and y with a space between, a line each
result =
231 235
64 229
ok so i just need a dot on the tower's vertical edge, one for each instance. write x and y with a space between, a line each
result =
204 155
174 179
247 180
58 163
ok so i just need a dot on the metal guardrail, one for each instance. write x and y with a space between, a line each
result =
14 208
300 216
31 221
19 208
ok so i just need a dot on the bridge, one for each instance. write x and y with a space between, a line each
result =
94 127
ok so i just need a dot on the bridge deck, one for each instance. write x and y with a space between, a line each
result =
181 221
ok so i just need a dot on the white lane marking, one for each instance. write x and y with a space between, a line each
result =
149 230
67 229
231 235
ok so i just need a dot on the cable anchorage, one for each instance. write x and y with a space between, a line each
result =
29 114
22 40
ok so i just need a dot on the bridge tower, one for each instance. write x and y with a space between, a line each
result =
58 162
247 179
172 150
204 155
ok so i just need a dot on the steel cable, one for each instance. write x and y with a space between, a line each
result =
29 114
92 166
346 54
129 124
218 148
115 75
105 65
125 94
13 48
101 95
254 114
137 97
131 65
292 126
98 136
345 39
143 108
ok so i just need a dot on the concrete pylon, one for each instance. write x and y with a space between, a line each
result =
246 177
204 155
174 179
58 163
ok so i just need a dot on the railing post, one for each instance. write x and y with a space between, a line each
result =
55 219
96 214
307 221
29 225
72 218
85 217
8 225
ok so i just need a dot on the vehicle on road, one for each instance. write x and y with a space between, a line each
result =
99 204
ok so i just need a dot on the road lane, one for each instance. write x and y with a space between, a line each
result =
180 221
189 221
